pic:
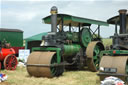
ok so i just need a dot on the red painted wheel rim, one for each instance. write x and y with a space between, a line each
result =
10 62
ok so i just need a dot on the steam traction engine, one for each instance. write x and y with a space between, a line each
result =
69 49
11 40
8 59
114 62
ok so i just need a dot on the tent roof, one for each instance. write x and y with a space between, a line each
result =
36 37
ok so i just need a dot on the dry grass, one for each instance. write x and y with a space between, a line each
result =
21 77
107 42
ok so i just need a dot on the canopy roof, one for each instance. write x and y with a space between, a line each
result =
115 19
73 20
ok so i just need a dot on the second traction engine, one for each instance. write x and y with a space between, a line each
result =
114 62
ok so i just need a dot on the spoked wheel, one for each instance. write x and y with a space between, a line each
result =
56 70
10 62
39 64
93 55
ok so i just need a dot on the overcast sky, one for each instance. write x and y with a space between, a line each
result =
27 14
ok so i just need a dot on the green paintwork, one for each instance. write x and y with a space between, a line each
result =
110 52
53 69
69 35
96 55
14 38
127 68
56 59
74 20
74 36
86 37
34 38
70 50
57 50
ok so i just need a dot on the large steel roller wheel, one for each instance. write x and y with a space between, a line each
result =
10 62
118 62
93 55
39 64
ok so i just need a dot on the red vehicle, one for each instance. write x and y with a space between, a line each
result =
7 57
11 40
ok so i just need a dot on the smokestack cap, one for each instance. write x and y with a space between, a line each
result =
122 11
54 10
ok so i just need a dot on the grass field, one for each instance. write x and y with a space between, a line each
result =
107 42
21 77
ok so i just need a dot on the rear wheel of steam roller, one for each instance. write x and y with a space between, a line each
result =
10 62
38 64
93 55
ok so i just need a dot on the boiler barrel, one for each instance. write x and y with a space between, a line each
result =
71 50
4 52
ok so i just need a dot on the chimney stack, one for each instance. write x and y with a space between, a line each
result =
54 19
122 21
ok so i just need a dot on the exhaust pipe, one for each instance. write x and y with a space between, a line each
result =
122 21
54 19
